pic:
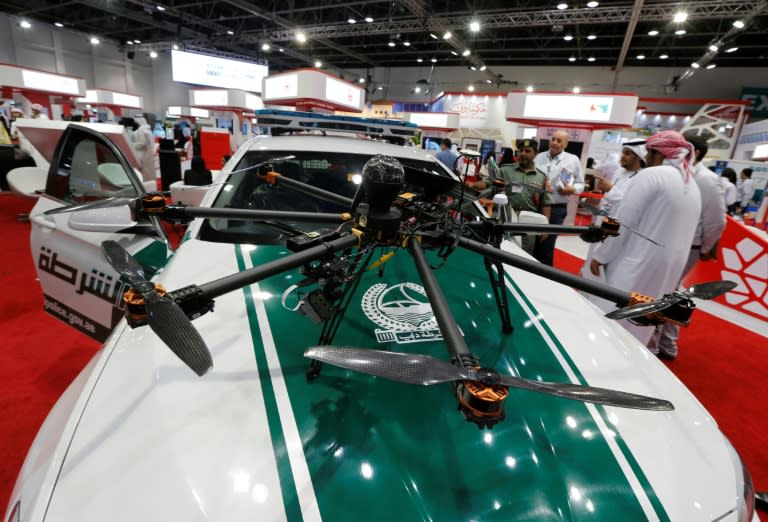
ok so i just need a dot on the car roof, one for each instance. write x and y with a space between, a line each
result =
337 144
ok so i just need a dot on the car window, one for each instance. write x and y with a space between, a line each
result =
340 173
88 170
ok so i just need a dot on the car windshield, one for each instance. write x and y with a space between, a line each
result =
335 172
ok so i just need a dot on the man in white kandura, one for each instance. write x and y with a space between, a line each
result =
661 202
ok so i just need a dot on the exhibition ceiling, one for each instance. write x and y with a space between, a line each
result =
403 33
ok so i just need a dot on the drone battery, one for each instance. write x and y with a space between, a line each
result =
310 239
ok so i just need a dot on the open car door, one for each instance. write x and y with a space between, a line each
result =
79 286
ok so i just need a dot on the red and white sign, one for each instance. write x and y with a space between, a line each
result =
305 88
592 111
23 79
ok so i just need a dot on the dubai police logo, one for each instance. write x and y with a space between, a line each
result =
402 311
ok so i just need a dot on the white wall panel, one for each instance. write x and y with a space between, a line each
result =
36 58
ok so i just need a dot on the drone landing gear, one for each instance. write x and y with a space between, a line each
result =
499 286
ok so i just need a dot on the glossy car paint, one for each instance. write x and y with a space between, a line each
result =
252 440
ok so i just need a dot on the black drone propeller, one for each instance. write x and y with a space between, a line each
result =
164 316
426 370
700 291
600 212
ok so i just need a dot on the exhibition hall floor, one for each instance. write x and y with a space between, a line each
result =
720 362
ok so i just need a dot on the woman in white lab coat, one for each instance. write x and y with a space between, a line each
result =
661 202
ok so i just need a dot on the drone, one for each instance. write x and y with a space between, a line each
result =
382 216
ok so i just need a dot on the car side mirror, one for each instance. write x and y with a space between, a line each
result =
28 181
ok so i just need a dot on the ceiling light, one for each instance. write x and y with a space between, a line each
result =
407 43
318 63
391 44
695 65
466 52
351 20
129 42
137 41
473 67
680 17
591 37
230 32
281 50
738 24
153 54
591 59
568 37
417 90
454 53
433 60
572 59
488 81
593 4
562 5
482 68
380 88
471 88
58 24
732 50
301 37
653 32
576 90
160 8
529 88
95 41
175 47
361 80
711 66
474 26
419 60
664 56
641 57
369 20
433 35
713 48
265 46
447 35
25 25
680 32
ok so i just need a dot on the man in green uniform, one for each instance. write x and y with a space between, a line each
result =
527 187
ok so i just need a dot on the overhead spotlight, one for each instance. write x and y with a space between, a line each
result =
680 17
576 90
489 81
407 43
562 5
593 4
95 41
732 50
653 32
663 56
713 48
160 8
301 37
738 24
318 63
153 54
137 41
129 42
472 67
433 60
230 32
25 25
380 88
529 88
483 67
419 59
58 24
175 47
447 35
391 43
641 57
351 20
454 53
369 20
591 37
281 50
711 66
466 52
361 80
417 90
568 37
433 36
474 26
572 59
265 46
591 59
695 65
680 32
471 88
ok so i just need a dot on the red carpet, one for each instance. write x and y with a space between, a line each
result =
723 365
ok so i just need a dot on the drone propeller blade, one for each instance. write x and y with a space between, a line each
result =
589 394
173 327
113 201
593 209
638 310
426 370
711 290
410 368
164 316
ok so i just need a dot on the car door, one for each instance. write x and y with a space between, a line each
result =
79 286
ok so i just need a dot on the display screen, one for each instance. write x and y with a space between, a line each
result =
426 119
342 93
126 100
283 86
50 82
568 107
202 69
210 98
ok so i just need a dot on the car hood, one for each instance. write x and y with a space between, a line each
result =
253 440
